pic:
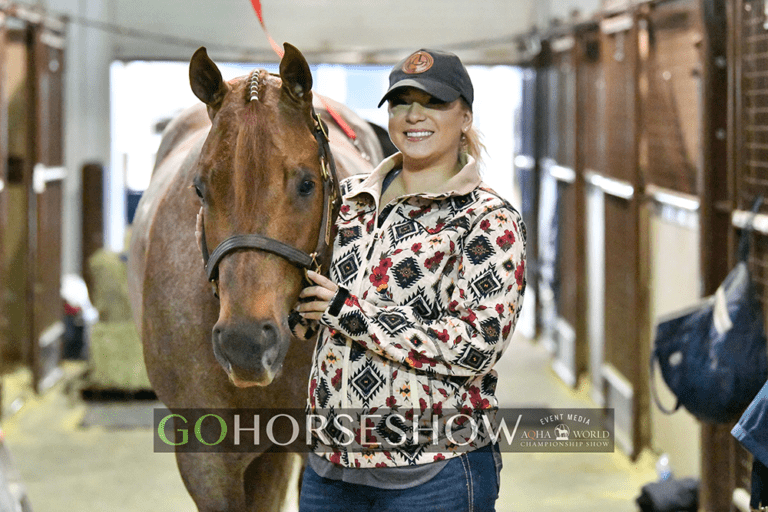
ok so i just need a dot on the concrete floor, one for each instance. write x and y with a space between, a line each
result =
65 467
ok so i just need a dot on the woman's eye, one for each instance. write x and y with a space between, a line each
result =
436 103
306 187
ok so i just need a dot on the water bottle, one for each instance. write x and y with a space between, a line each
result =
663 468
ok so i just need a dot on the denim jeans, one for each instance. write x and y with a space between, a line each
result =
468 483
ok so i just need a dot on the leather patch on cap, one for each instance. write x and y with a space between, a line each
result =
419 62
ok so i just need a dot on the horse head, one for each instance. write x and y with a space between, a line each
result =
259 174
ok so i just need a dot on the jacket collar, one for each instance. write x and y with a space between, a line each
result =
462 183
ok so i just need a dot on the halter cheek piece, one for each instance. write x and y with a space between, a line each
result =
298 258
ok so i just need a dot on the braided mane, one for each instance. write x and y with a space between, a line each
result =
254 83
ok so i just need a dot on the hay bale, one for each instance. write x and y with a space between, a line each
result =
109 280
116 358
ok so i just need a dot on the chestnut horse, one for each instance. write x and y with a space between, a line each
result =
251 153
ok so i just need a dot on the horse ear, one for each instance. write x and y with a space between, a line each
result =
206 82
294 71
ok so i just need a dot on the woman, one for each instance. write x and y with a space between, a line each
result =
427 281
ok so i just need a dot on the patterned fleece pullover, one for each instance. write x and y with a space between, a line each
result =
430 290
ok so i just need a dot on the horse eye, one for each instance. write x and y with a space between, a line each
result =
306 187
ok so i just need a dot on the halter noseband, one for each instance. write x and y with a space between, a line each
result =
298 258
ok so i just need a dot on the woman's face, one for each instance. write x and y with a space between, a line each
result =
426 130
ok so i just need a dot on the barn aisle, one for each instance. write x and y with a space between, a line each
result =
561 482
66 466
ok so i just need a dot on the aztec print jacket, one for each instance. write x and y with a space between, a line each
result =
429 294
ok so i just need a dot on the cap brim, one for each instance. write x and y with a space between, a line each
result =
436 89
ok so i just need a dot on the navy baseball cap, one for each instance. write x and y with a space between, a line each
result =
438 73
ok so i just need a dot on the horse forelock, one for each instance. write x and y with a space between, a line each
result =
251 170
237 138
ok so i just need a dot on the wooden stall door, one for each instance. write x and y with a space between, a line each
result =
672 104
45 206
31 118
5 320
590 154
671 112
561 189
623 368
15 125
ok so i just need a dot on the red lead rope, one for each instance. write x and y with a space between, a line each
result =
348 131
257 7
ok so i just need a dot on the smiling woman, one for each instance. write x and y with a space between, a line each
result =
425 289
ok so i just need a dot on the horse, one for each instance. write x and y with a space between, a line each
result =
251 160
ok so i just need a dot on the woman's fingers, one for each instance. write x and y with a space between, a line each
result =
323 291
317 291
312 315
322 281
316 306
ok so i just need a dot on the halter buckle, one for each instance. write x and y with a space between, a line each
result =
318 266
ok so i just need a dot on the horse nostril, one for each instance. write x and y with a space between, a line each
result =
270 356
269 338
269 332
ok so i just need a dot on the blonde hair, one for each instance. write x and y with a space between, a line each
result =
472 139
472 144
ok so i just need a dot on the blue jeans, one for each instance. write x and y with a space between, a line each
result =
468 483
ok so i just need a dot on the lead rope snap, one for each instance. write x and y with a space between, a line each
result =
318 266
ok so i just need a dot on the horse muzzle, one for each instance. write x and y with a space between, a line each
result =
252 352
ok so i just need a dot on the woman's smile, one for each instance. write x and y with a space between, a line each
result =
417 135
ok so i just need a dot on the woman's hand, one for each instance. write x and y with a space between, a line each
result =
323 291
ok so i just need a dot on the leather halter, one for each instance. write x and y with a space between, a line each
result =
298 258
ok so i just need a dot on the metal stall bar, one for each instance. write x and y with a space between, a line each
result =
610 186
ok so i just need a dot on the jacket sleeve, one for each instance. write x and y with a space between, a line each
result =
474 327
